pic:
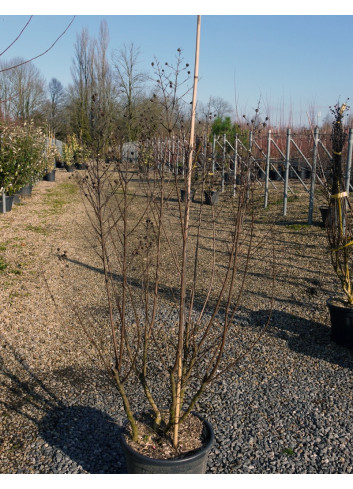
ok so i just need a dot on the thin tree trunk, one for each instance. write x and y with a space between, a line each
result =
179 359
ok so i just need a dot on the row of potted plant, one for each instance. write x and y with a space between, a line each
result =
26 156
75 154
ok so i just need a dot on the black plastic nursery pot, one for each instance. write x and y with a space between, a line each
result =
211 198
261 175
26 191
275 175
50 177
16 199
227 177
70 168
293 171
8 203
303 174
81 166
341 322
195 463
183 195
324 210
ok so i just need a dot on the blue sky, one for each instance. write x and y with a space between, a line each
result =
295 63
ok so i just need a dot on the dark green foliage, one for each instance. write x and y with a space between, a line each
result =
224 125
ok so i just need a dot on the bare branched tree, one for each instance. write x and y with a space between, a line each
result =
22 90
220 107
57 98
130 86
92 84
172 86
82 89
158 275
15 100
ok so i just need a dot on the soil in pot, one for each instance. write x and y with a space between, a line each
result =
341 314
154 454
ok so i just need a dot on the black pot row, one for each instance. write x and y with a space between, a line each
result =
26 191
73 167
211 197
303 174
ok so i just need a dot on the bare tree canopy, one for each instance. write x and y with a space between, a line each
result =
21 89
130 86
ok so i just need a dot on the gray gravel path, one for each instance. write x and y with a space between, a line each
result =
286 409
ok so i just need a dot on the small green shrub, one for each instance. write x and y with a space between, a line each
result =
288 451
3 264
37 229
16 271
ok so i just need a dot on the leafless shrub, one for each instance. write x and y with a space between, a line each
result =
174 277
339 221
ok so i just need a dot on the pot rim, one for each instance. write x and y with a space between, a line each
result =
199 453
338 306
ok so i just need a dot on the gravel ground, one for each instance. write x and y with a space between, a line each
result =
286 409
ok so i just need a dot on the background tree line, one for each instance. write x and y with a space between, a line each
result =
109 87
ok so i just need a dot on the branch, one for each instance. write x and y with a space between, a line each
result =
42 54
8 47
9 99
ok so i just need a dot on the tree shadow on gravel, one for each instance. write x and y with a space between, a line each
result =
305 337
88 436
